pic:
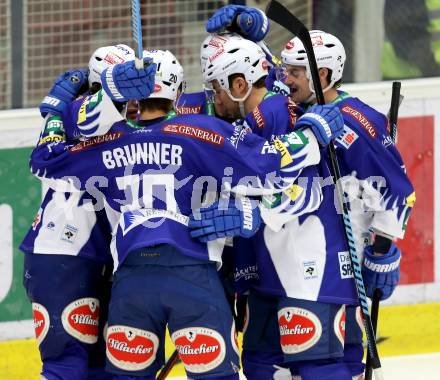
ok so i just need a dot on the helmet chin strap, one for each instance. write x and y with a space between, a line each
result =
240 100
312 97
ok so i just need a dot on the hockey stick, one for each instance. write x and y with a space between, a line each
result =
282 16
136 28
168 366
374 317
396 100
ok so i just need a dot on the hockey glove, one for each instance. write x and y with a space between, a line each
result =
240 217
381 272
66 88
274 82
124 82
251 23
325 121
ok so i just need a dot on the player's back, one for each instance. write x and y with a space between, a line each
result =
156 174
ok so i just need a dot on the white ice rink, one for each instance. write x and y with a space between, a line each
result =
411 367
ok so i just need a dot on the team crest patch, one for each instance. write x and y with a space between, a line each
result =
310 270
81 318
69 233
131 349
300 329
339 324
200 349
41 321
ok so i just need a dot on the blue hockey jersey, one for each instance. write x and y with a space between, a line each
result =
379 192
155 176
66 223
307 258
194 103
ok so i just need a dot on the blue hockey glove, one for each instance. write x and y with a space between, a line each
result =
239 217
66 88
326 122
275 83
124 82
381 272
251 23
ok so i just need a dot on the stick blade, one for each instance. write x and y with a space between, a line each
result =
281 15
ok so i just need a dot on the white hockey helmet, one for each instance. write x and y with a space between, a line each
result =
169 74
107 56
329 53
235 56
213 42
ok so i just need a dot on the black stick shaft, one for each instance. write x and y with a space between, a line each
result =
394 109
374 319
168 366
393 116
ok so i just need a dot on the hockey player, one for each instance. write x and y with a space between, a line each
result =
67 261
295 280
151 177
379 215
331 56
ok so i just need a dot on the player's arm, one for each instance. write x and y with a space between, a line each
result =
260 169
53 161
120 84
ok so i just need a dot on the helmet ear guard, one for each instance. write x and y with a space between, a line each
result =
169 78
329 54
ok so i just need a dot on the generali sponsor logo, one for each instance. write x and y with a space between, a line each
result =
83 145
360 117
339 324
198 133
37 219
200 349
258 117
81 318
300 329
41 321
292 108
131 349
187 110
